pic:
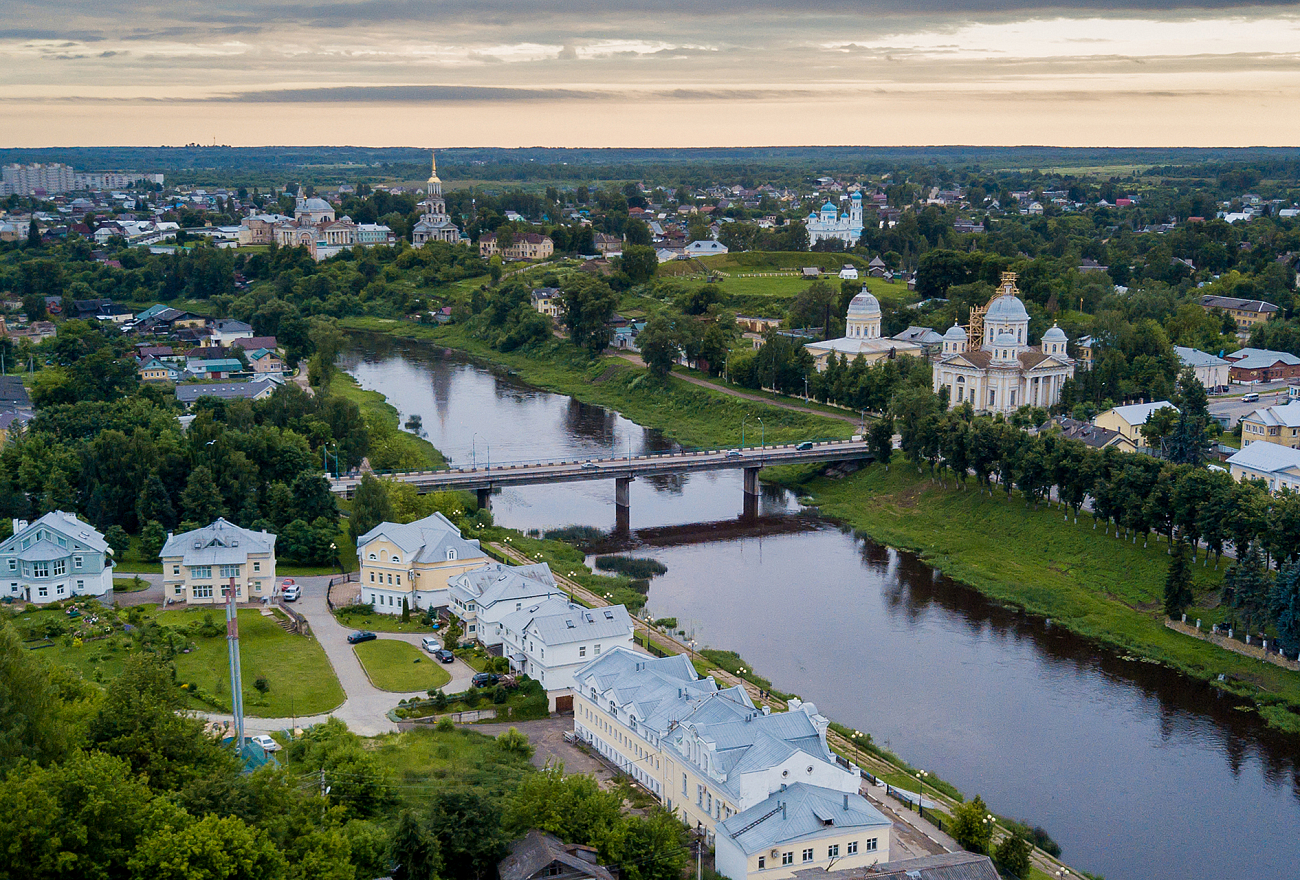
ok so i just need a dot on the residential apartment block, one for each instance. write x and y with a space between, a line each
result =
1273 424
552 639
56 557
482 597
1245 312
764 788
413 562
199 565
525 246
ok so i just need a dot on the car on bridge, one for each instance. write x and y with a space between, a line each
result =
807 444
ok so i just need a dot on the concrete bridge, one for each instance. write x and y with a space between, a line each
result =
621 469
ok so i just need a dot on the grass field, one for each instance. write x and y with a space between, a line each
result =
453 758
299 676
1102 587
389 623
694 416
400 667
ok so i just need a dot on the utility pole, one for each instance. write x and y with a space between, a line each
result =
236 683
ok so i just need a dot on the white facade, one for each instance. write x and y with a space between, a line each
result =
434 224
483 597
829 223
56 557
1005 372
861 337
552 639
199 565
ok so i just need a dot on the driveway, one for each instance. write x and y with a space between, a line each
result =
547 738
1234 409
152 596
365 707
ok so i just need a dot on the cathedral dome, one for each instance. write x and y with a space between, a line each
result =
1005 339
316 205
1056 334
828 207
864 305
1007 308
955 334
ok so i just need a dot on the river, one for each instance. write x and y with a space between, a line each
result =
1137 771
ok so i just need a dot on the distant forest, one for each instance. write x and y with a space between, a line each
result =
788 166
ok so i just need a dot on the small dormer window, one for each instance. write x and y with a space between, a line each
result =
451 554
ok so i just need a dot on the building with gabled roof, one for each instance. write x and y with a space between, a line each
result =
710 755
541 856
199 565
1211 371
414 562
1128 420
1273 424
56 557
551 639
482 597
1278 466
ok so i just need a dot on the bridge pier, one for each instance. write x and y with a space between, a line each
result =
623 505
750 510
485 499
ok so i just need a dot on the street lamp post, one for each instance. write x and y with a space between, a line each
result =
989 822
473 450
762 443
742 430
920 792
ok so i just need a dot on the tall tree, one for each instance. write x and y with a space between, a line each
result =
1284 606
32 724
468 827
201 499
1178 582
659 345
880 440
414 850
370 506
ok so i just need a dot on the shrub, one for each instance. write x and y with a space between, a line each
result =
1012 855
444 725
582 537
499 695
261 685
515 743
632 566
669 623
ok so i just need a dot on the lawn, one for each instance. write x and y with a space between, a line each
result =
1103 587
399 667
130 585
359 617
299 677
459 759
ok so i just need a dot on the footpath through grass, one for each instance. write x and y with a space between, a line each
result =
1099 586
400 667
691 415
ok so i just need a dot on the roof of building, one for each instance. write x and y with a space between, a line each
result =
315 204
425 540
955 333
1267 458
66 524
797 812
1285 416
1007 307
1138 413
1259 358
221 543
1054 334
864 305
1191 357
919 335
945 866
1241 305
496 582
856 345
14 393
230 325
660 691
1093 435
224 390
556 621
537 850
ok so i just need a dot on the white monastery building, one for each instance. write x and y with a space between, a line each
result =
829 223
434 224
1005 372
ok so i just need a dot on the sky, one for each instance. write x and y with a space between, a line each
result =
651 73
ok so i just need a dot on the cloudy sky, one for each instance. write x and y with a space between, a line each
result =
649 72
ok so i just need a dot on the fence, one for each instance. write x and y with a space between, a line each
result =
350 577
1260 649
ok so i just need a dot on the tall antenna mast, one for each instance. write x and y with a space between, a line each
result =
236 683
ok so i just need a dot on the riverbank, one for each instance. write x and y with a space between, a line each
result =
692 415
390 447
1101 587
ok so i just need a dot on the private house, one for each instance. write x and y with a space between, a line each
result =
608 245
226 330
763 787
945 866
253 343
552 639
413 562
13 394
1273 424
56 557
154 370
1211 371
198 566
523 246
848 272
1250 365
213 368
1278 466
12 422
1128 420
265 361
541 856
548 301
1083 352
704 248
484 596
1090 434
1245 312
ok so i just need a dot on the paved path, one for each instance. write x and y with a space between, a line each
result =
365 707
757 398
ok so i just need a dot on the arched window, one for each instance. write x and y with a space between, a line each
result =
373 557
451 553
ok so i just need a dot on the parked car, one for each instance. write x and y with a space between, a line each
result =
265 742
483 679
430 644
444 655
290 591
363 635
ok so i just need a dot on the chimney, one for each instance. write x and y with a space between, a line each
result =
846 803
783 810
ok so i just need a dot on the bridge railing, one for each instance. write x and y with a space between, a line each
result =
666 455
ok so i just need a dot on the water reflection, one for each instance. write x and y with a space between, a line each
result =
1136 770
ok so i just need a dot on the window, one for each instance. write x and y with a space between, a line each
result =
582 652
81 585
596 652
699 795
399 580
372 557
230 571
1013 398
762 862
257 566
203 591
13 564
41 569
176 571
180 590
833 852
993 396
59 589
871 844
60 567
42 591
683 783
852 848
76 562
472 627
808 855
787 858
372 577
200 572
225 589
451 554
708 802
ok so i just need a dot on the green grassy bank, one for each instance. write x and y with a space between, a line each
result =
693 416
1099 586
390 446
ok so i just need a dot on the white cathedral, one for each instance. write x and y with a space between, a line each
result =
434 224
1005 372
830 223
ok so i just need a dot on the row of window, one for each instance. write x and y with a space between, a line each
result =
203 572
43 535
381 578
43 590
204 591
42 569
871 844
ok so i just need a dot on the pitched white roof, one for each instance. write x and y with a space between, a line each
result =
66 524
1285 416
1267 458
1138 413
425 540
1191 357
221 543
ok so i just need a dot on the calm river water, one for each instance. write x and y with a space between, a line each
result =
1138 772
